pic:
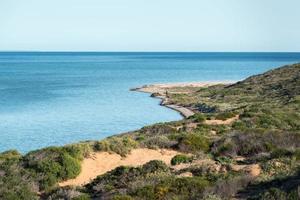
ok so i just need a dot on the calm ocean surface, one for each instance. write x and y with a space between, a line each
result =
59 98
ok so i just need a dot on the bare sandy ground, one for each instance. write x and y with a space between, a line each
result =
102 162
224 122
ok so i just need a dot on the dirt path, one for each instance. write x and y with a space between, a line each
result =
220 122
102 162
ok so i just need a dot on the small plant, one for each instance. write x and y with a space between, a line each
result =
198 117
194 142
225 115
178 159
224 160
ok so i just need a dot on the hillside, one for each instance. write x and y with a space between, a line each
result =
242 143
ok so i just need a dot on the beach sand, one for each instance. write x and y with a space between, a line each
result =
160 91
102 162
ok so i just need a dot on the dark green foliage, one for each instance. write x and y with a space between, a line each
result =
274 194
198 117
70 167
15 182
173 188
121 176
193 142
178 159
225 115
54 164
278 153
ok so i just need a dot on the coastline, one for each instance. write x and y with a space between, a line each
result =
161 91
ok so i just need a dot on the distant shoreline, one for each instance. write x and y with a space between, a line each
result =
160 91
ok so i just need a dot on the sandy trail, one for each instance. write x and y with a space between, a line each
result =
220 122
102 162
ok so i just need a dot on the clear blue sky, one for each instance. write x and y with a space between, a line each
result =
150 25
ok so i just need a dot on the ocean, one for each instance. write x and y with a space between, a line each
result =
56 98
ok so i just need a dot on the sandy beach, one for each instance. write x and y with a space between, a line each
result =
160 91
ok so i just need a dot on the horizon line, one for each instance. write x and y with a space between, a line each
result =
96 51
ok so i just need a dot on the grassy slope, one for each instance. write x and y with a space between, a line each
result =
267 133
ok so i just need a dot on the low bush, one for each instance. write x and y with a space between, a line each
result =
198 117
159 142
54 164
273 194
178 159
253 142
15 182
225 115
158 129
122 197
223 160
173 188
66 193
193 142
8 155
121 176
278 153
119 145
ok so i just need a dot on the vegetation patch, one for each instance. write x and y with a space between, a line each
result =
178 159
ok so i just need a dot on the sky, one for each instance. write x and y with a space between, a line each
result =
150 25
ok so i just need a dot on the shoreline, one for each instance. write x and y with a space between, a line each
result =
160 91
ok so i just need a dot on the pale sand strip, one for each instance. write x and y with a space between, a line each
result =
158 88
224 122
160 92
102 162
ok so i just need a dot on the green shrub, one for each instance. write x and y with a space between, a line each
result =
82 197
173 188
158 142
53 164
274 194
154 166
78 151
277 153
194 142
198 117
189 186
70 167
15 182
12 154
66 193
297 154
225 115
158 129
224 160
178 159
122 197
119 145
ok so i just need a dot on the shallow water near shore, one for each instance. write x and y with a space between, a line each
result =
59 98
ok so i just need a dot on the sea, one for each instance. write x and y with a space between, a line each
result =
57 98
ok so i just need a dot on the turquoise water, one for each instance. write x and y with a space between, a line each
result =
59 98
